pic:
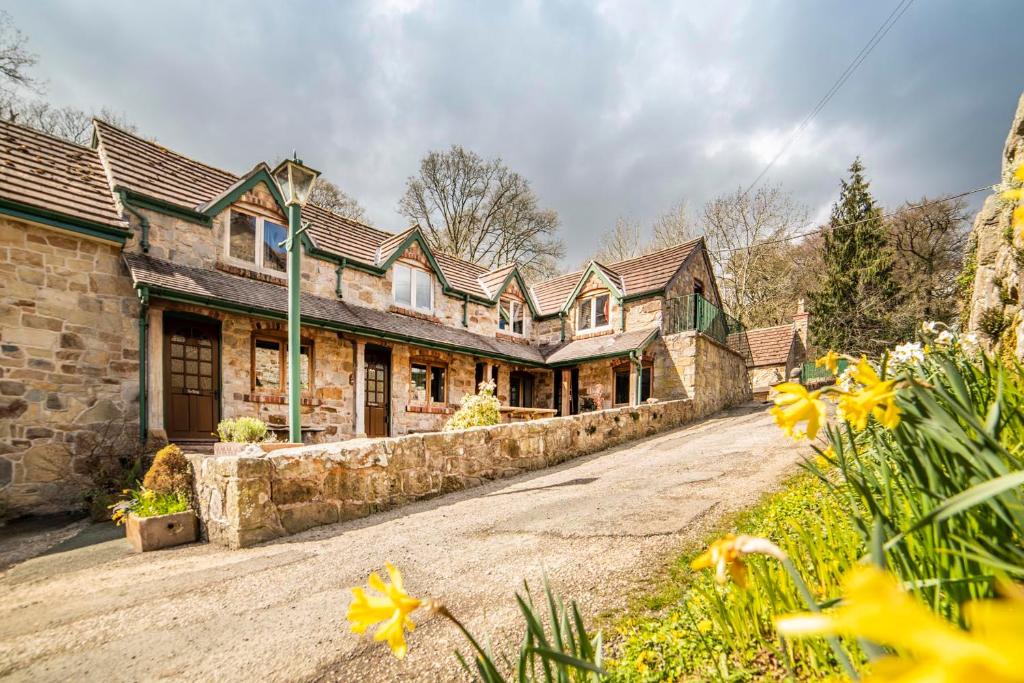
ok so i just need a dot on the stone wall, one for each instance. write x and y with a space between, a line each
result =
999 277
245 500
68 365
696 366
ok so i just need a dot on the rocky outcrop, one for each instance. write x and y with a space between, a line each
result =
995 304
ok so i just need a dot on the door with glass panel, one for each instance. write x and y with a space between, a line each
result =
378 390
191 379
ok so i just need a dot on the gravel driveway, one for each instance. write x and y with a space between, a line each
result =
599 525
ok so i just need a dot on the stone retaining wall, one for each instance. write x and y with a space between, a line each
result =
244 500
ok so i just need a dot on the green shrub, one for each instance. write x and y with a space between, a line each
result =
145 503
992 322
170 472
477 410
242 430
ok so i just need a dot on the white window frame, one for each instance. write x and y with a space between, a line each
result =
258 263
413 304
592 302
514 306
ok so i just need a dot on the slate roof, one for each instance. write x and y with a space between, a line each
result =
45 172
606 345
771 345
216 286
639 275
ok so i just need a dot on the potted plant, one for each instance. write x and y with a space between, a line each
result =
158 513
239 433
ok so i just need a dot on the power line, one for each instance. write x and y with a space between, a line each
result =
780 240
875 39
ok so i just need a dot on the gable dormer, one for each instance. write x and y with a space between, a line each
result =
597 297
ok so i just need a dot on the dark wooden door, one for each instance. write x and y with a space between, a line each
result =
574 391
378 390
558 392
191 379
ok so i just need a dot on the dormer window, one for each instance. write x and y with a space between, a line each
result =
413 288
511 316
592 313
256 242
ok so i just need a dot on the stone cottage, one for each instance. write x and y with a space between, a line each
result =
143 300
776 352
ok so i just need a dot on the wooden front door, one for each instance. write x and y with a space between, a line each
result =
378 390
191 379
574 391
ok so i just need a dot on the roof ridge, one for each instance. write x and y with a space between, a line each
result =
165 148
56 138
659 251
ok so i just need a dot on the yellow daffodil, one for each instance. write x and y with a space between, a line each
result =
794 404
1018 174
876 397
723 555
392 607
929 648
726 554
1014 195
1018 216
826 457
830 360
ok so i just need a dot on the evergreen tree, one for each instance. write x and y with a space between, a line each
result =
853 308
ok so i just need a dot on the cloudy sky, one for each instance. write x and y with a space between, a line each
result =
610 109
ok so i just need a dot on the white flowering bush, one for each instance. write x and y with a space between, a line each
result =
477 410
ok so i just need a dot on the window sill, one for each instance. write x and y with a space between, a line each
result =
594 332
413 313
280 399
249 270
431 409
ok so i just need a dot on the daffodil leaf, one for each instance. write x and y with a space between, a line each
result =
567 660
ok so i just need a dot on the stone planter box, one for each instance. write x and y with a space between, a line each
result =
230 448
162 531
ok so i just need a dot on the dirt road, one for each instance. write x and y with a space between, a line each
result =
599 526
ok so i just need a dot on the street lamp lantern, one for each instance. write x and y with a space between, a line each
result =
295 180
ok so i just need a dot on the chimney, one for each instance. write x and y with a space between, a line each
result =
800 322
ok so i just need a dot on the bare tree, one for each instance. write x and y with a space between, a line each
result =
673 227
620 242
749 241
929 242
329 196
15 59
482 211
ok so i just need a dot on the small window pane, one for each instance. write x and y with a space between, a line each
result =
177 365
242 239
191 382
601 311
274 257
504 316
621 386
645 384
419 383
268 364
423 290
437 385
305 365
583 321
403 286
517 317
191 352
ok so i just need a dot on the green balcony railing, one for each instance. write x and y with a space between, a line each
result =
694 312
812 374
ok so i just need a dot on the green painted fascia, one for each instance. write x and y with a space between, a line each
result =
219 305
643 295
260 176
522 285
612 289
57 220
141 201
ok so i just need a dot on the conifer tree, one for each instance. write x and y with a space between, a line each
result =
853 308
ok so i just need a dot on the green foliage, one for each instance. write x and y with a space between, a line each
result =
170 472
477 410
709 631
560 650
992 322
853 306
242 430
145 503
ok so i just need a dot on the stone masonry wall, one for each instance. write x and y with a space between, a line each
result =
695 366
68 365
245 500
